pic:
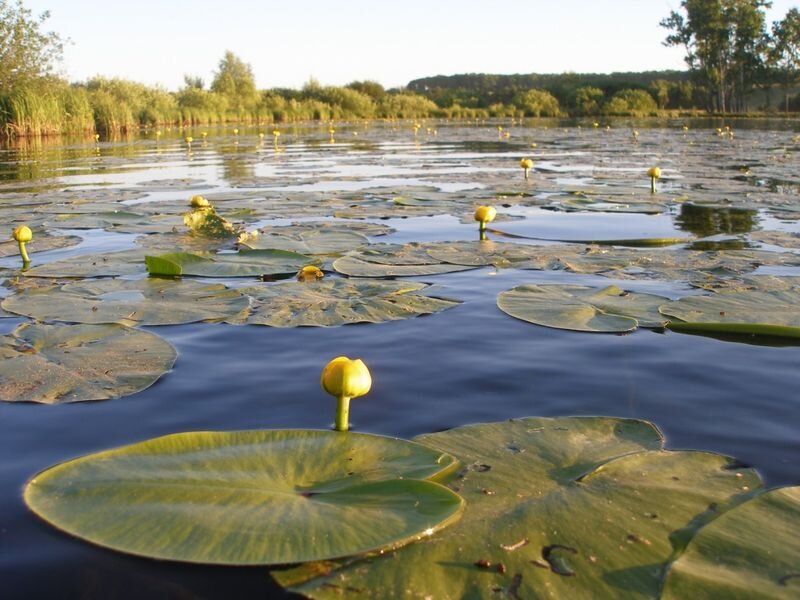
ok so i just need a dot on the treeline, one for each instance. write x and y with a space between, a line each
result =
574 94
48 106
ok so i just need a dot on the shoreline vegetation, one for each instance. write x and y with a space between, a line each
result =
737 67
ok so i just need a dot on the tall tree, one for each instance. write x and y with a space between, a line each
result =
26 52
784 53
234 80
725 42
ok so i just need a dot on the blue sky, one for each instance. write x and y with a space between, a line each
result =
158 41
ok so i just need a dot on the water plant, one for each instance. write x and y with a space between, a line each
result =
653 173
345 379
310 273
527 165
484 215
22 235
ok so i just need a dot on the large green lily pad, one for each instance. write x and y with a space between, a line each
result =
110 264
580 308
71 363
143 302
324 237
757 312
40 243
250 263
334 302
576 507
250 497
751 551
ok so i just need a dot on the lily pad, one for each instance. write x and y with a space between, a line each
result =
335 302
250 497
41 242
110 264
141 302
577 507
749 552
580 308
757 312
249 263
310 241
72 363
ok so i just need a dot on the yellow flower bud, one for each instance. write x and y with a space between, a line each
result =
485 214
310 273
22 234
526 163
198 202
345 379
189 139
654 172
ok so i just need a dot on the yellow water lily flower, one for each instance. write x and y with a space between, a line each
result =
345 379
310 273
198 202
23 235
654 173
527 165
484 215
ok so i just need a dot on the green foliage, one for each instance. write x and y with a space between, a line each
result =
234 80
631 102
537 103
784 53
405 105
588 100
27 54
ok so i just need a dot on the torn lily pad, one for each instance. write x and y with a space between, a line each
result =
72 363
250 497
580 308
245 263
141 302
333 302
583 507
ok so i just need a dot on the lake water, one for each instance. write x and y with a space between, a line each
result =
468 364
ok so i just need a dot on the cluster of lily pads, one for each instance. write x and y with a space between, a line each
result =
498 509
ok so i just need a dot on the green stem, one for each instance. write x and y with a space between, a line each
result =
652 185
483 235
526 174
24 253
342 413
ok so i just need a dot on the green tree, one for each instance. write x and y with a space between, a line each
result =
588 100
234 80
537 103
631 102
784 52
26 52
725 42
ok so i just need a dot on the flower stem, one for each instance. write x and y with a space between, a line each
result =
652 185
526 174
342 413
23 253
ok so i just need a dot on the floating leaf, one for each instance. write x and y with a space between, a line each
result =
325 237
72 363
250 263
142 302
751 551
110 264
250 497
334 302
580 308
41 242
577 507
756 312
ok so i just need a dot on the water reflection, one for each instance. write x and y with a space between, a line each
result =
704 221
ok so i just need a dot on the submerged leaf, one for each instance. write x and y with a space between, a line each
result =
250 497
72 363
